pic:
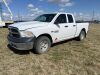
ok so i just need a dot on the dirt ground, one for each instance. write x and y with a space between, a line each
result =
67 58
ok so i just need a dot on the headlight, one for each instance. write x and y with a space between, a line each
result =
27 34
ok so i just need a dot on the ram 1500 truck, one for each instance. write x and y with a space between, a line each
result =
44 31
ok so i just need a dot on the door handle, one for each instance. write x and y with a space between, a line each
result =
66 26
74 25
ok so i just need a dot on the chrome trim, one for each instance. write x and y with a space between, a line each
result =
11 31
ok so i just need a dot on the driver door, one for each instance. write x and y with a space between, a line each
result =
61 23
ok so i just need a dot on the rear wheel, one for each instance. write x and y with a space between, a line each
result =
42 44
81 36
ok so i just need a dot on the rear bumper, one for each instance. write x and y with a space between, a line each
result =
21 43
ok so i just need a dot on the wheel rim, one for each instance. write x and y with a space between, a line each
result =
44 45
82 35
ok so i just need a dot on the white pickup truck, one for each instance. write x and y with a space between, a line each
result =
44 31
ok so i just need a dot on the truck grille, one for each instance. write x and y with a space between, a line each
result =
14 32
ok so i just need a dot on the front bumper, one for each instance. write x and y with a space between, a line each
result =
21 43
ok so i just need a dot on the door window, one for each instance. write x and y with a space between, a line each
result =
61 19
70 18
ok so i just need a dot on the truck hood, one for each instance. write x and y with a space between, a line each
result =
28 25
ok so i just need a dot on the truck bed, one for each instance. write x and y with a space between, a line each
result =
80 26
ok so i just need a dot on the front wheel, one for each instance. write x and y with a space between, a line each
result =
42 44
82 36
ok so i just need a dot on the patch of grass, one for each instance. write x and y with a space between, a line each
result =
69 58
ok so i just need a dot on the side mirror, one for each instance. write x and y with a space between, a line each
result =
57 24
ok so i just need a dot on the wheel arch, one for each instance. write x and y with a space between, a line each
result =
47 35
84 31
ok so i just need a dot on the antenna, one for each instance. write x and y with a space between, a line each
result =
8 9
93 16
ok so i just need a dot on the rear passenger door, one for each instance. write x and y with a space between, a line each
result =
71 29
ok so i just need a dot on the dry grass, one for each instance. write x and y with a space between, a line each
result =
69 58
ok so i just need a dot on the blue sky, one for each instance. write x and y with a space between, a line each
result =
25 7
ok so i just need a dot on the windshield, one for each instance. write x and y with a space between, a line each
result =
45 18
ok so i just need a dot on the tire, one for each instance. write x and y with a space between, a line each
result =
42 45
81 36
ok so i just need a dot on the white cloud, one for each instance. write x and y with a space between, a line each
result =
34 10
82 16
96 16
6 14
62 3
66 4
61 9
8 1
30 5
58 1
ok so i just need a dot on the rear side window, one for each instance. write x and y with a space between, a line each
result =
61 19
70 18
